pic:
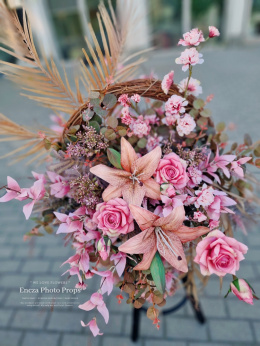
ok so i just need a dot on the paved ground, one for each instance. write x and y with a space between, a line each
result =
233 76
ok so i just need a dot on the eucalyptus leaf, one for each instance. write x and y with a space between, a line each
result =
100 111
97 119
95 125
206 113
158 272
110 134
95 102
112 122
142 143
198 103
114 157
109 100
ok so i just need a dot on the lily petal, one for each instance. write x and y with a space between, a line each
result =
172 259
114 176
152 189
173 221
143 242
146 165
128 155
111 192
133 193
147 260
190 233
143 217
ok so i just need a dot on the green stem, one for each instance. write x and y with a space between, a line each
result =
190 73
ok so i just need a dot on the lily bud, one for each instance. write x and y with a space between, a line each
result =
243 290
167 190
103 248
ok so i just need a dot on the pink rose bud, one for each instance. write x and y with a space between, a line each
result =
242 289
103 248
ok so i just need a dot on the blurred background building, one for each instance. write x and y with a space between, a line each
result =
60 25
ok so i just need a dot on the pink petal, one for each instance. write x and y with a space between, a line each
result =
104 311
114 176
13 185
143 217
143 242
111 192
133 193
147 260
128 155
173 221
152 189
8 196
190 233
27 209
147 164
87 306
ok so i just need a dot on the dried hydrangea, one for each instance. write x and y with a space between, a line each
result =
88 143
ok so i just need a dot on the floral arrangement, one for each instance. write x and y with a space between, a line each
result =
137 180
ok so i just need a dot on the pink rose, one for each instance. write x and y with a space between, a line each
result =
192 38
114 217
242 290
172 170
219 254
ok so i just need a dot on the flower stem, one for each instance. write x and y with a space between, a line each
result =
190 73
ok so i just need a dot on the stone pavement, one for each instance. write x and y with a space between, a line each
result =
233 76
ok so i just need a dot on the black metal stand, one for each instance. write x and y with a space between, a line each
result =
136 315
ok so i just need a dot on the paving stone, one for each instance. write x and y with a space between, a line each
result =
29 319
242 310
252 255
149 342
65 321
254 239
41 339
9 266
257 330
147 328
230 330
2 295
211 307
119 341
208 344
80 340
35 266
13 280
213 287
28 252
185 329
247 271
113 305
17 299
10 338
6 252
5 315
57 252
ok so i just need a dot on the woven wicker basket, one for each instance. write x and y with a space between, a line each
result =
150 88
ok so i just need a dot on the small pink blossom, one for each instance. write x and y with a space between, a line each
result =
69 223
219 254
213 224
96 301
186 125
167 82
136 98
194 87
152 119
169 279
114 217
198 215
171 203
39 176
13 190
192 38
35 193
119 262
126 117
243 291
205 196
92 326
107 281
104 248
170 120
195 176
236 169
60 187
167 190
171 169
190 57
81 285
153 142
124 100
175 105
74 271
219 205
213 31
140 127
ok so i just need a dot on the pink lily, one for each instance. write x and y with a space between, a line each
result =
13 190
60 187
96 301
220 161
134 181
39 176
236 168
119 261
107 281
36 193
165 234
92 326
219 205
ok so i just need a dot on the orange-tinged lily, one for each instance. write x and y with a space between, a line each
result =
134 181
165 234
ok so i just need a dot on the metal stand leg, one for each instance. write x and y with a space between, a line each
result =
135 324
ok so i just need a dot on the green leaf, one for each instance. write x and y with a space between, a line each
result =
110 134
114 157
248 140
100 111
95 125
73 138
97 119
109 100
206 113
142 143
158 272
122 131
236 284
95 102
198 104
220 126
112 122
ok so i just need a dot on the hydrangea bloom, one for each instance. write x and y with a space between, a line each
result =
192 38
140 127
189 57
124 100
136 98
126 117
175 105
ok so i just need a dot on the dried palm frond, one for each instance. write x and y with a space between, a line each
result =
108 57
14 132
32 76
